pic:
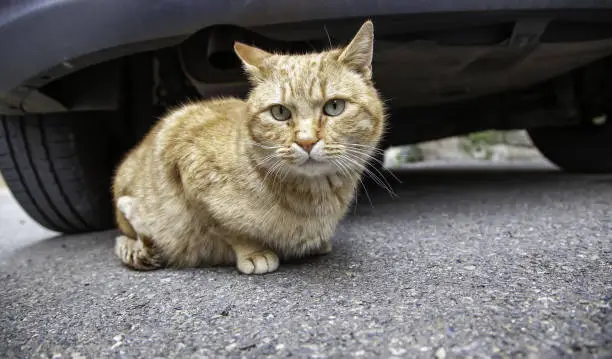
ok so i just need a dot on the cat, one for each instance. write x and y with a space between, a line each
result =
250 182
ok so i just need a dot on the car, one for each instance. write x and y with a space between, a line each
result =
81 81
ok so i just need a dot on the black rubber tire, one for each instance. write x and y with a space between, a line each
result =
577 149
59 168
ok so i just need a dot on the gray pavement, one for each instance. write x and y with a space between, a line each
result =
468 262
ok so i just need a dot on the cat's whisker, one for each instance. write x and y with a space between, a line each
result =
268 157
365 190
265 162
274 176
357 146
273 155
261 145
363 155
328 37
279 171
368 151
270 171
382 183
264 146
311 46
348 169
345 171
372 158
284 177
387 186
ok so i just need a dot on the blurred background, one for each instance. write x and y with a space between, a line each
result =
485 146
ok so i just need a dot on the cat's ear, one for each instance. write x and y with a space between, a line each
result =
358 54
252 58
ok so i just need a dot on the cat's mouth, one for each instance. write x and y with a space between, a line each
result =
312 161
312 168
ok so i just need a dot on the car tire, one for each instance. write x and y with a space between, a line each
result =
59 168
577 149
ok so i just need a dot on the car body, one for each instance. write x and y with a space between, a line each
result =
82 80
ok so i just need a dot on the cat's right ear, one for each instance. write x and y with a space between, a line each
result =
253 59
358 54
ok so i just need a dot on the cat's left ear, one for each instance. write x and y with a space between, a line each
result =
358 54
252 58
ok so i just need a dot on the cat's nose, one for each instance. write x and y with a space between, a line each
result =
307 144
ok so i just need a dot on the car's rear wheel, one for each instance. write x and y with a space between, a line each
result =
59 168
579 149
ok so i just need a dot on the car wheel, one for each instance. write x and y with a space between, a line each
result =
579 149
59 167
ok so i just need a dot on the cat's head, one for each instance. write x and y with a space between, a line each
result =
314 114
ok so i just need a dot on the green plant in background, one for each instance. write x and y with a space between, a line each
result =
478 144
410 154
486 137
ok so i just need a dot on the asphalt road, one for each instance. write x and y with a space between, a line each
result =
466 263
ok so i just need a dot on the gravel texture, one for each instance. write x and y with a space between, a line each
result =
467 262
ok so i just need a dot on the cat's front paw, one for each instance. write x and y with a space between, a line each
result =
258 262
135 254
325 248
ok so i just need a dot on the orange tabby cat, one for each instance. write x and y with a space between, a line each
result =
243 182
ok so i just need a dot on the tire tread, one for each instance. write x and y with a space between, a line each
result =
58 167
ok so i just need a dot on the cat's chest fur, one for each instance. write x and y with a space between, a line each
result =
292 221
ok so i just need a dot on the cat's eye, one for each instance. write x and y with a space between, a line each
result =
280 113
334 107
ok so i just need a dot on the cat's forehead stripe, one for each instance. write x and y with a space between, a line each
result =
301 77
283 93
311 88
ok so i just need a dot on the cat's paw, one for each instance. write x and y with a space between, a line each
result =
258 262
135 254
325 248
